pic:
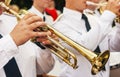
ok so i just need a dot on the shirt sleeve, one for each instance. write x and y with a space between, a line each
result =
101 29
114 39
7 49
45 61
98 32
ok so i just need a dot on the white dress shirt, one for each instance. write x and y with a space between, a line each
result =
72 26
28 56
48 18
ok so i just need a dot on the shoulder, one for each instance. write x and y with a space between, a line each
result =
7 14
58 19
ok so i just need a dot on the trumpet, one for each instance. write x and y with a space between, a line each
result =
97 61
97 4
117 19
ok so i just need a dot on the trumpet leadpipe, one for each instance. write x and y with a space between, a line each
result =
10 10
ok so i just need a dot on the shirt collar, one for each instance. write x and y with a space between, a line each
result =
72 14
89 11
34 10
6 14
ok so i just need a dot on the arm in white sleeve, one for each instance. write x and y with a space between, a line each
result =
114 42
45 61
7 49
92 38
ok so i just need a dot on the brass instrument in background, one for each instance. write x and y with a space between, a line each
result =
97 4
23 12
118 19
97 61
101 4
7 2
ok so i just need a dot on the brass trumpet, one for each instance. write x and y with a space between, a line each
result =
101 4
97 4
97 61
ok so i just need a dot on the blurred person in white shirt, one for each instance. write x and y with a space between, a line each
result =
39 7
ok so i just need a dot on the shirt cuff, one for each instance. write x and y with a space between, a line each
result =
8 46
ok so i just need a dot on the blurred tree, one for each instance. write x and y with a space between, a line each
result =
23 4
60 4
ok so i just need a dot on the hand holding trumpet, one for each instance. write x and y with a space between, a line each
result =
24 30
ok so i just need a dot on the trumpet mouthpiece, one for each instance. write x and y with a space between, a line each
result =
90 3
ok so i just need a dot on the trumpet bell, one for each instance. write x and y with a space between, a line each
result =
99 62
